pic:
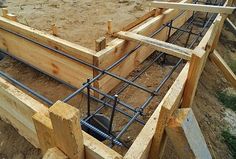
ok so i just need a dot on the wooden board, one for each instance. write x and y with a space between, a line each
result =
17 108
43 59
158 45
118 47
194 7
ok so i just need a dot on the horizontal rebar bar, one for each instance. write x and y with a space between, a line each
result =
44 99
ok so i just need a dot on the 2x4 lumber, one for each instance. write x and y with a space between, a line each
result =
225 69
151 134
158 45
171 102
67 129
186 136
54 153
194 7
118 47
44 129
197 64
43 59
17 108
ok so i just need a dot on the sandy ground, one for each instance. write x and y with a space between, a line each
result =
82 23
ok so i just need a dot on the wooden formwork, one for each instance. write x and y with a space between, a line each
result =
44 129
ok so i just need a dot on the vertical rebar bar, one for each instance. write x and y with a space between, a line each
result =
88 98
186 44
112 114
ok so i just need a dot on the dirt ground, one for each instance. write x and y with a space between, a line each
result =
84 21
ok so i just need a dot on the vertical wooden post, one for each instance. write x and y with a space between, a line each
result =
4 12
67 129
185 134
12 17
44 131
159 11
54 30
109 27
100 44
197 63
219 26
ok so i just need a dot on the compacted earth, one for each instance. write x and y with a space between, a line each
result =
82 22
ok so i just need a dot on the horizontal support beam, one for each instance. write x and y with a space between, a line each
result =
158 45
194 7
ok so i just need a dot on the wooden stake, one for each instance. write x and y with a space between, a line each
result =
185 134
44 131
4 12
66 125
54 30
100 44
12 17
109 27
197 63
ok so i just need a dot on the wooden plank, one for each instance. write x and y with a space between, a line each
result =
197 64
67 129
222 65
54 153
150 136
194 7
17 108
158 45
47 39
185 134
118 47
95 149
44 129
47 61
